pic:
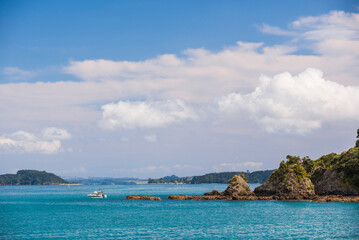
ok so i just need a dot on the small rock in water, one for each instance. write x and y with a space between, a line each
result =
140 197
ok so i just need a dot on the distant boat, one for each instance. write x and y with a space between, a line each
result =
97 194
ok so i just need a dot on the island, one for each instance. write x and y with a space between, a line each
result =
31 177
331 178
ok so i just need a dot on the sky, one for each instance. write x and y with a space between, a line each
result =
155 88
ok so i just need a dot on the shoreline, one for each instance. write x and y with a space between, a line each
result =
316 198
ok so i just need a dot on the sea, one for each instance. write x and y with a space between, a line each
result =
65 212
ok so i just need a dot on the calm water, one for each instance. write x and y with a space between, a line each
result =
65 212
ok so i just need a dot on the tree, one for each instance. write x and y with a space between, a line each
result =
358 133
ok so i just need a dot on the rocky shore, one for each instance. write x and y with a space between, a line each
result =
331 198
291 188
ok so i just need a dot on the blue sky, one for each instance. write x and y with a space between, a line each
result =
38 34
151 88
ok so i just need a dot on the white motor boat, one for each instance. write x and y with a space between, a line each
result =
97 194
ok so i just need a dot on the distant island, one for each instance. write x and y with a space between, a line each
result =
222 177
107 181
31 177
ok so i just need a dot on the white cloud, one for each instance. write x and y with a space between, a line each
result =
55 133
126 114
196 76
236 166
335 33
295 104
16 73
22 141
150 138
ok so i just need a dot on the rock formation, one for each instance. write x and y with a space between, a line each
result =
289 182
213 193
238 187
203 198
331 178
141 197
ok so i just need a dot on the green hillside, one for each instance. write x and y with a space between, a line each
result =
223 177
31 177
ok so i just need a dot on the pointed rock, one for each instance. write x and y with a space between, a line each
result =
238 187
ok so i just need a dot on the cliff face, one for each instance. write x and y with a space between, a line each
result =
333 183
336 173
289 181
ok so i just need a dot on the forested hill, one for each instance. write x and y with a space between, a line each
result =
31 177
223 177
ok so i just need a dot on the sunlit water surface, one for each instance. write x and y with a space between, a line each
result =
65 212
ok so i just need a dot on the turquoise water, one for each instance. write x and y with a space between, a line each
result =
65 212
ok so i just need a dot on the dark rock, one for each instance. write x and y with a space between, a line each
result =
213 193
336 198
140 197
200 198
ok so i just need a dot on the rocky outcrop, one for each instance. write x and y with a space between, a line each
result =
331 178
186 197
213 193
289 182
238 187
314 198
141 197
335 198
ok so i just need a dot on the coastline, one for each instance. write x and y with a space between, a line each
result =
316 198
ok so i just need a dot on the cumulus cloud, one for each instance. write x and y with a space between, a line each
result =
196 76
45 143
126 114
295 104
